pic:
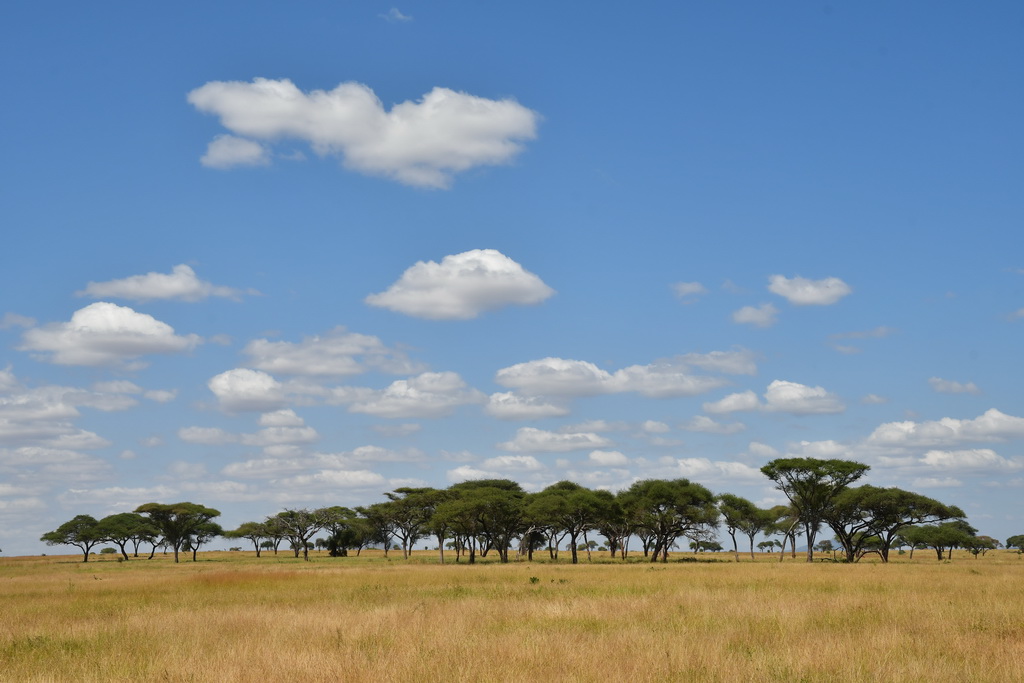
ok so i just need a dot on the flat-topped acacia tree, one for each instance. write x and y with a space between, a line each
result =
178 522
82 531
811 485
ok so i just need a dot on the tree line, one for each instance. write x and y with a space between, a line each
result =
474 518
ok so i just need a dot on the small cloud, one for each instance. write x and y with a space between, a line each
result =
607 459
395 16
946 386
688 292
407 429
181 284
762 316
803 292
14 320
874 399
462 286
705 425
228 151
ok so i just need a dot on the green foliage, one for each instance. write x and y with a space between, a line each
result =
81 531
178 522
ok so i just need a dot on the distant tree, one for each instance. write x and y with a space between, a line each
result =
868 512
825 547
200 536
1017 542
811 485
670 509
124 528
942 538
253 531
980 545
82 531
569 507
301 525
177 521
737 515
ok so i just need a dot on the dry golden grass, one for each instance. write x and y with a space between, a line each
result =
231 617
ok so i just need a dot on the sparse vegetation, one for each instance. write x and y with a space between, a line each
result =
233 617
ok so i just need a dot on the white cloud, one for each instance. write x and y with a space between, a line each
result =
431 394
607 459
420 143
228 151
513 463
655 427
741 401
704 424
462 286
281 436
532 440
780 397
874 399
947 386
705 470
181 284
803 292
935 482
992 425
243 389
510 406
104 334
983 459
740 361
394 15
161 395
337 353
762 450
10 320
281 418
210 436
688 292
565 377
401 430
799 399
764 315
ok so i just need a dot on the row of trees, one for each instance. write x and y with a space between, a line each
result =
496 515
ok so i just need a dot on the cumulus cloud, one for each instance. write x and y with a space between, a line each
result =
243 390
803 292
978 459
429 395
703 469
947 386
510 406
209 436
688 292
764 315
566 377
462 286
394 15
512 463
733 403
992 425
799 399
532 440
181 284
104 334
337 353
228 151
607 459
781 396
706 425
420 143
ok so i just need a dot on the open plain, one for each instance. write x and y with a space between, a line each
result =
233 617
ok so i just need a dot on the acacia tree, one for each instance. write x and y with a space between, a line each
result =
942 538
200 536
569 507
177 522
302 525
736 512
861 514
1017 542
811 485
670 509
124 528
256 532
81 531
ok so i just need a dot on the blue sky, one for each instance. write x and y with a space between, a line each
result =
259 256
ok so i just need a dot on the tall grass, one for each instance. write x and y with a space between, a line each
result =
231 617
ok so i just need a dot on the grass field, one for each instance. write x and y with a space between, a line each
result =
232 617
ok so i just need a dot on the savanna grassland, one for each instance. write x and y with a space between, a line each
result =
232 617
